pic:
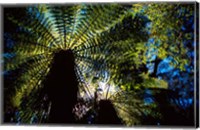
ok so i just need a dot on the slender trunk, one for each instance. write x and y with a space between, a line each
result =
156 63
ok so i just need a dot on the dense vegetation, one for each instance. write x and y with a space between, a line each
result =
136 61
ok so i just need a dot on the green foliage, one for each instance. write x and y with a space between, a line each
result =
110 45
131 107
167 21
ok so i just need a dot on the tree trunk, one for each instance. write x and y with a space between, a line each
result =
62 86
156 63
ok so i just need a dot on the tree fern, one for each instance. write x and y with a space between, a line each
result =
110 45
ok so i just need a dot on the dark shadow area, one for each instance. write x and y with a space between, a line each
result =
61 86
107 113
174 114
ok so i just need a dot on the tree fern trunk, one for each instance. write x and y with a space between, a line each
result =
62 86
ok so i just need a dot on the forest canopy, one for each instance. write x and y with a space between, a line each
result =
140 56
